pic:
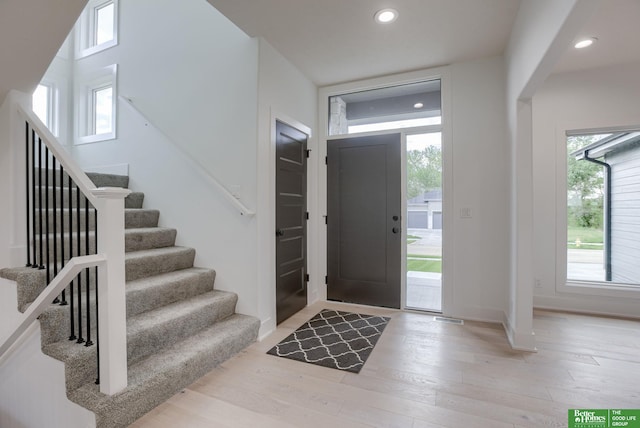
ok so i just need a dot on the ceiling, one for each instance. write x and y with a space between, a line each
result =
335 41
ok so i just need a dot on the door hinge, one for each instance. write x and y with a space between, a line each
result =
307 215
326 279
326 160
306 277
326 219
308 153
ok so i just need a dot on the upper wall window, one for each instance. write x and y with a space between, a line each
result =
44 105
96 106
97 28
395 107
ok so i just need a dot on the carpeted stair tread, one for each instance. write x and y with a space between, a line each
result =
108 180
145 238
140 217
145 263
162 327
29 283
152 292
161 375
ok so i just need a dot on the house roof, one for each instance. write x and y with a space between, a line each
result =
617 141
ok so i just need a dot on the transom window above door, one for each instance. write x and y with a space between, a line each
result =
394 107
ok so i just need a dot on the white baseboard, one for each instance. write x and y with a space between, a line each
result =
118 169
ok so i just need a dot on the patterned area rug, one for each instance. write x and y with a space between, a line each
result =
339 340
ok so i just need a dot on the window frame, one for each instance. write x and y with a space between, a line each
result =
86 32
564 284
86 105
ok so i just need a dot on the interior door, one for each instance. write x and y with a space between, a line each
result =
364 224
291 221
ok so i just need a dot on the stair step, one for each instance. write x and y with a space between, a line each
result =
158 377
133 200
108 180
136 239
142 295
150 293
137 218
133 218
146 263
162 327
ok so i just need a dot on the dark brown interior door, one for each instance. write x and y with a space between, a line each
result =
364 224
291 221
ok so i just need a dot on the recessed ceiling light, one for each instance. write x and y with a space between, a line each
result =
418 105
385 16
585 43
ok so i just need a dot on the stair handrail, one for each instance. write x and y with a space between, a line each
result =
60 282
109 260
71 167
197 166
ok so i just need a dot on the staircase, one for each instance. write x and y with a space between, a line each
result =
178 326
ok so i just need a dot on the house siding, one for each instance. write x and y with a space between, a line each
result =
625 214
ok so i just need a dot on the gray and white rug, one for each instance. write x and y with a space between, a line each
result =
339 340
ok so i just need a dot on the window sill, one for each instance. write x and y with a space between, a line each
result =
587 288
95 138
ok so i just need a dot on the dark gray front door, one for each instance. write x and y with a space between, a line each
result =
291 221
364 225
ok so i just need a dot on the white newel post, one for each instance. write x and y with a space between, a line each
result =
111 289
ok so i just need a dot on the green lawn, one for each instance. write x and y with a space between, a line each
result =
584 238
412 238
418 263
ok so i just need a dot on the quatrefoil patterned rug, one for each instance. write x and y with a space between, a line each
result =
339 340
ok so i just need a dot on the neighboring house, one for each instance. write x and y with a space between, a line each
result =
619 154
425 211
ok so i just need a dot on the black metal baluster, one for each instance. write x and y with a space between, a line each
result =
54 205
46 213
72 336
33 196
78 247
27 193
95 217
40 202
63 302
89 342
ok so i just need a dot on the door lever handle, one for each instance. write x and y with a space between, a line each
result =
395 230
279 232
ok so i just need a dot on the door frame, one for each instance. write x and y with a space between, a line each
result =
266 223
318 251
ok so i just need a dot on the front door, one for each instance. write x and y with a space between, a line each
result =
364 224
291 221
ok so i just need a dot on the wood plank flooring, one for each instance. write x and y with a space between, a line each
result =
422 374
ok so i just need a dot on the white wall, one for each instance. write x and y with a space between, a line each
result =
5 184
541 33
284 94
32 391
598 98
480 182
194 75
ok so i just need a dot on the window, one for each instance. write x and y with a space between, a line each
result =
603 208
102 109
97 28
44 105
396 107
96 106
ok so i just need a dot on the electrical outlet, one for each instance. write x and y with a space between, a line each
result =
465 213
537 283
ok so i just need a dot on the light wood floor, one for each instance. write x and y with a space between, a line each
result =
423 374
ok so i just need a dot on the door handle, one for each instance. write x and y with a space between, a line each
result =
395 230
279 232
